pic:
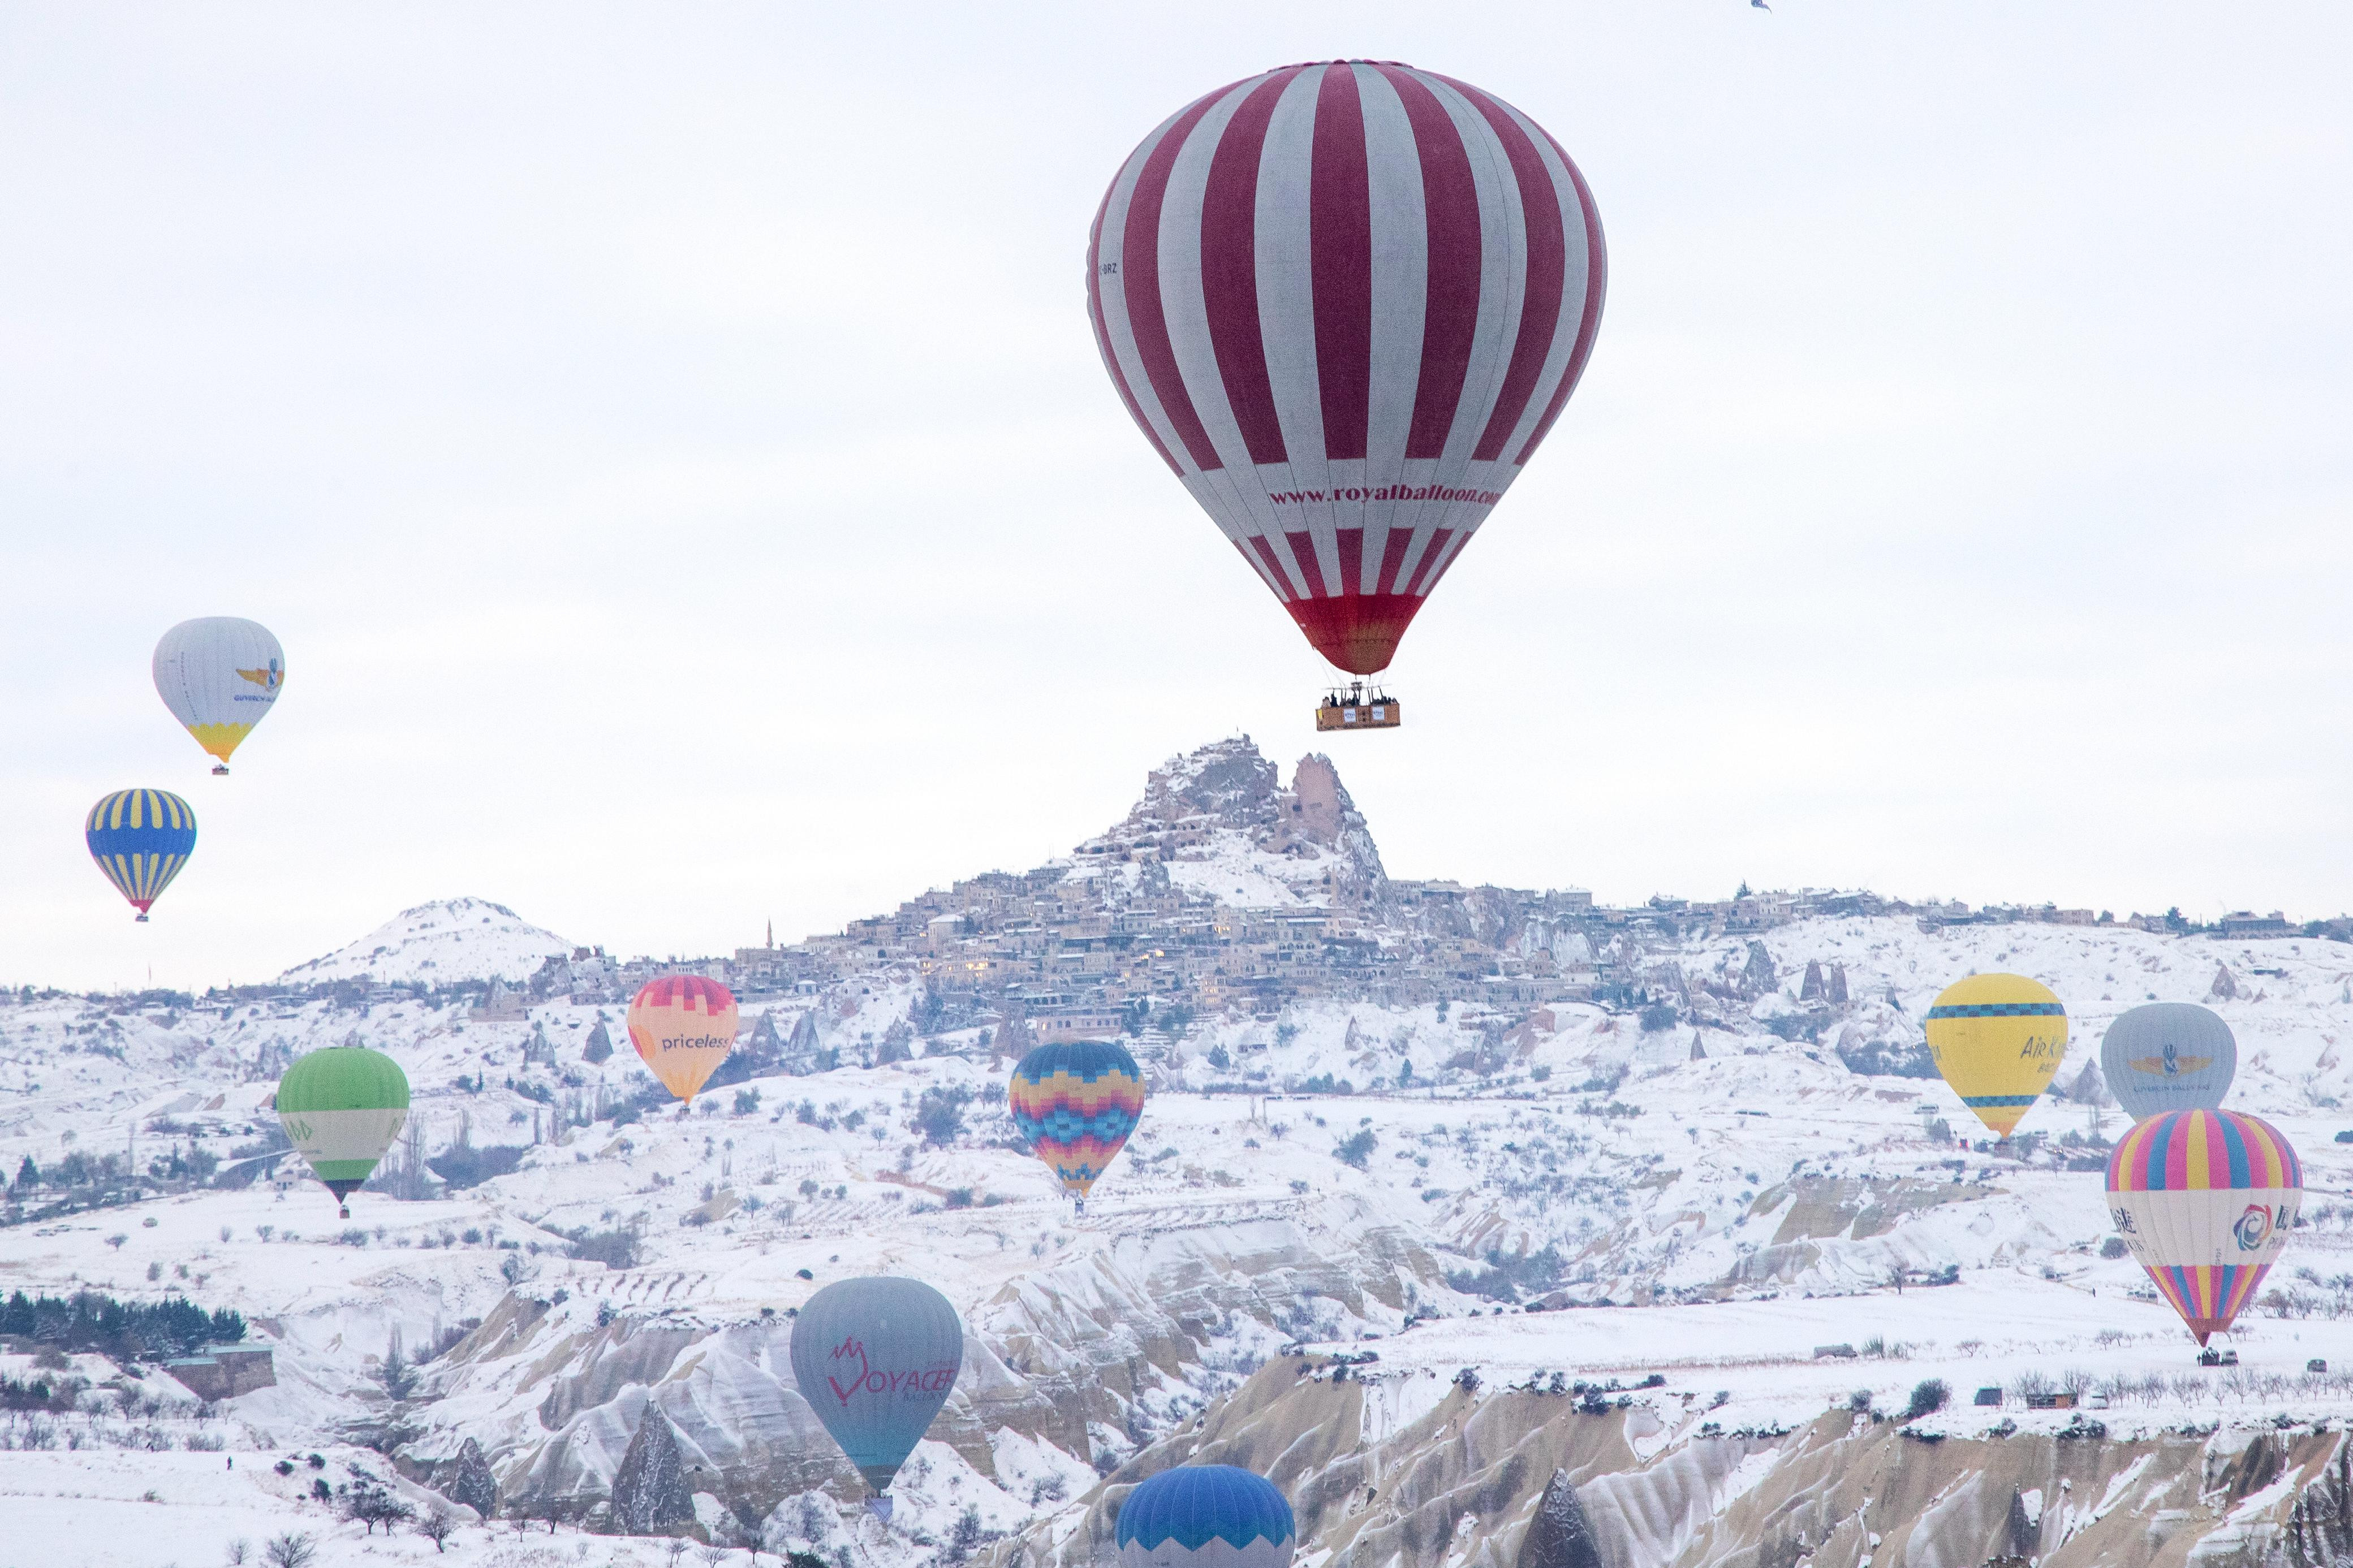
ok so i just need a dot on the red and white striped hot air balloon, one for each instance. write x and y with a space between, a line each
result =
1346 303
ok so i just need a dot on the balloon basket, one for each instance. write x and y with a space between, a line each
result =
1358 706
345 1214
140 921
220 770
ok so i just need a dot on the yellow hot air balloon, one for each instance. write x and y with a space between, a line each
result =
1998 1038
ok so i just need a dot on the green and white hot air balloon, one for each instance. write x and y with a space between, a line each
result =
341 1107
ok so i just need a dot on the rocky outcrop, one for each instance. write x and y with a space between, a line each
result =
470 1482
1094 1357
1407 1470
1560 1536
649 1494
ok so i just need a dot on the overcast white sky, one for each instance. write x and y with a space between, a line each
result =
670 444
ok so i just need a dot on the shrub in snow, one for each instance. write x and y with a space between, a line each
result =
1928 1396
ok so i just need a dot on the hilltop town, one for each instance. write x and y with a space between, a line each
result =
1225 892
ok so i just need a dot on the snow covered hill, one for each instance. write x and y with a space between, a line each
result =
445 943
1519 1190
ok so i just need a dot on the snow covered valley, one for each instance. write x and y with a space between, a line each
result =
1569 1291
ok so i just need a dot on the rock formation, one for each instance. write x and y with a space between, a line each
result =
1560 1536
472 1483
650 1495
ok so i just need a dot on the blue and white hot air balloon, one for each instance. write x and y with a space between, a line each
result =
876 1358
1206 1516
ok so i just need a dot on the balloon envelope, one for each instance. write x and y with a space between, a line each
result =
876 1358
1345 302
219 675
683 1025
1077 1102
140 839
341 1107
2169 1056
1206 1516
2205 1199
1997 1039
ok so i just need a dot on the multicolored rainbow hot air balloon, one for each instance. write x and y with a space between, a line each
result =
683 1025
1206 1516
219 675
876 1358
140 839
1345 302
1076 1103
2205 1199
1998 1038
341 1107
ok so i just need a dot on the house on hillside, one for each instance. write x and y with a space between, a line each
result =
500 1007
225 1371
1078 1025
2246 923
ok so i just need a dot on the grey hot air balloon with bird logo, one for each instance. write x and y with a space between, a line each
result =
2169 1056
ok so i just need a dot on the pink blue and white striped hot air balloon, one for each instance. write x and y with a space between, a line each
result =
1345 302
2205 1199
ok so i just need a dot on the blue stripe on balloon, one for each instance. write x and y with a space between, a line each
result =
1999 1010
1063 1126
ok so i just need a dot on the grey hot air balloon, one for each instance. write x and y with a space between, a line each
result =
2169 1056
876 1358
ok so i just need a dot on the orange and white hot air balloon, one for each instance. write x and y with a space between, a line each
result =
683 1025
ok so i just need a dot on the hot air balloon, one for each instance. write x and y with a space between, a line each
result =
683 1025
1206 1516
1345 302
1076 1103
342 1107
219 675
2205 1199
876 1358
1998 1038
2169 1056
140 839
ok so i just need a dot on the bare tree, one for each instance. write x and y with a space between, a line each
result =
239 1552
372 1505
437 1526
293 1550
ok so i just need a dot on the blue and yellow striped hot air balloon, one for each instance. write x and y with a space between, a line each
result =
140 839
1076 1103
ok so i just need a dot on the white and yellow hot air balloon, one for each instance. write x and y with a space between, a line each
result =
219 675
